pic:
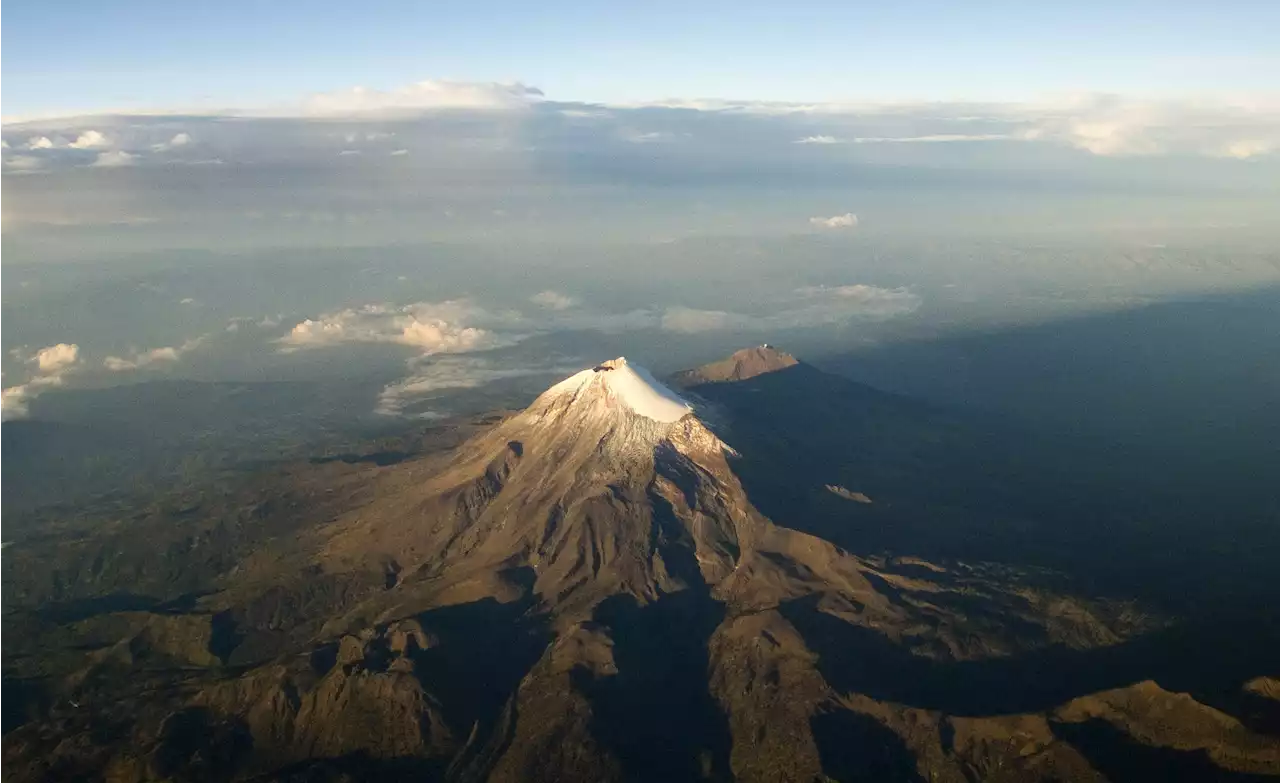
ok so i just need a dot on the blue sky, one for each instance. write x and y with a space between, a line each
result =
157 54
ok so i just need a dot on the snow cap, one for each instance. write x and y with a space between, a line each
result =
630 385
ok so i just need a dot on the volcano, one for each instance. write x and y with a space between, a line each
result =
619 582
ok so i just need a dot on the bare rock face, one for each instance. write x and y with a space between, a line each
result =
585 591
741 365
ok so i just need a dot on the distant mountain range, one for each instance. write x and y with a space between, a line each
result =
765 573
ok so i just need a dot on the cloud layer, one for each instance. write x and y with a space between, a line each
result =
847 220
52 366
155 356
430 327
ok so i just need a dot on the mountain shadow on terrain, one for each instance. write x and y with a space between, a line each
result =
582 591
22 700
485 649
1209 660
856 748
949 484
656 713
196 745
1169 407
1119 758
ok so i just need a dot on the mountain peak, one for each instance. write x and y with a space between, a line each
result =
619 384
738 366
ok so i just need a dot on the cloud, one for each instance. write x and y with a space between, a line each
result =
807 307
932 138
847 220
178 140
187 300
857 300
56 358
142 359
646 137
114 159
23 163
423 96
430 327
1111 126
40 143
942 138
1247 148
553 300
345 153
690 321
52 366
14 402
548 157
398 153
445 373
90 140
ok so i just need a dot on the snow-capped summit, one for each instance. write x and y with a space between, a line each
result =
617 382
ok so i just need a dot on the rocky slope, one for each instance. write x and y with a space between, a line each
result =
588 590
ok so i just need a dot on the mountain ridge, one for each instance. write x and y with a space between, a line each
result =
602 586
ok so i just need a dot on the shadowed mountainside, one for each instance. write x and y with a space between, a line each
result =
799 579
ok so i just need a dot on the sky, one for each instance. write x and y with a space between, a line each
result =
153 54
457 194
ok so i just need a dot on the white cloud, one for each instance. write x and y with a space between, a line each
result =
847 220
1108 125
52 365
346 153
817 140
941 138
187 301
443 373
40 143
15 401
4 145
422 96
90 140
178 140
590 115
56 358
143 359
431 327
398 153
1244 149
646 137
114 159
553 300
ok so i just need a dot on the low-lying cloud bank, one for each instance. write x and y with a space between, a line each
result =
430 327
449 373
164 355
52 366
847 220
455 160
451 338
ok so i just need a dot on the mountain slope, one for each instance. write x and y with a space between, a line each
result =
588 590
739 366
